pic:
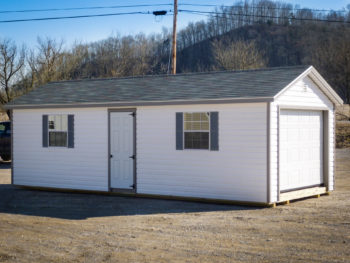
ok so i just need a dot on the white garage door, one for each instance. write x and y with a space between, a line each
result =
301 139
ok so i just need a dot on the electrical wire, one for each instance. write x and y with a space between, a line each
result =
198 12
263 7
263 16
81 8
73 17
155 5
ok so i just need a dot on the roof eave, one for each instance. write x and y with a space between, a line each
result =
142 103
321 83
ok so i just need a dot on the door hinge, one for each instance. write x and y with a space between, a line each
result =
132 157
133 114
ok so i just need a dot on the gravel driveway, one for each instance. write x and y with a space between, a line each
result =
40 226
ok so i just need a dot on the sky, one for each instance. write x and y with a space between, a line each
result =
92 29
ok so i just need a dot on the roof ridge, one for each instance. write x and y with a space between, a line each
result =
255 83
180 74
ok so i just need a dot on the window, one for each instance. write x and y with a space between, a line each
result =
58 130
196 130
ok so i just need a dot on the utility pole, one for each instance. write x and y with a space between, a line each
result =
173 62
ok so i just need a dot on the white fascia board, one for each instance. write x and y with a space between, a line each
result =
325 87
144 103
320 82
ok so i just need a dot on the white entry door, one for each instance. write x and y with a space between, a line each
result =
301 154
122 150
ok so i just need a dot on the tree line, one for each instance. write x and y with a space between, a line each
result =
250 34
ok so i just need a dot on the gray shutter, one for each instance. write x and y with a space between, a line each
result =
70 131
179 131
214 131
45 131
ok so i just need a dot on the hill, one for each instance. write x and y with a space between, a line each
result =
324 46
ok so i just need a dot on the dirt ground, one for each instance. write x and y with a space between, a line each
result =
40 226
343 134
343 126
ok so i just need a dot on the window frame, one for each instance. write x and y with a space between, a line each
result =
199 131
55 130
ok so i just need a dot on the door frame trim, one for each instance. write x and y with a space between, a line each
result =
120 190
325 139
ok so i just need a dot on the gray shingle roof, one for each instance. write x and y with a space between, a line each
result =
263 83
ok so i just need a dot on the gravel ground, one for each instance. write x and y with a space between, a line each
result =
40 226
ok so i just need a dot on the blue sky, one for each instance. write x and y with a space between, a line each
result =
92 29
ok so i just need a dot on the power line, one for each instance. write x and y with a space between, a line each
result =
155 5
149 5
265 7
81 8
73 17
198 12
262 16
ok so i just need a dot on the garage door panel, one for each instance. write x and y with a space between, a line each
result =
301 155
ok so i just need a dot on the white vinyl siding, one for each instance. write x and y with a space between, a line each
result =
236 172
304 94
83 167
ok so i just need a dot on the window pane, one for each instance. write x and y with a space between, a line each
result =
52 138
64 119
196 143
205 116
196 116
205 126
58 123
188 140
58 139
61 139
51 122
204 141
188 116
188 126
196 140
196 126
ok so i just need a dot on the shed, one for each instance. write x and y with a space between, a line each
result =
258 136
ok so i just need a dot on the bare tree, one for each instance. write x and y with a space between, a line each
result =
48 59
11 62
332 58
238 55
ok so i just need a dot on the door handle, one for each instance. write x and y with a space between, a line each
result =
132 157
111 156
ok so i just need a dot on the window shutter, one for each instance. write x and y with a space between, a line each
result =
214 131
70 131
179 131
45 131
